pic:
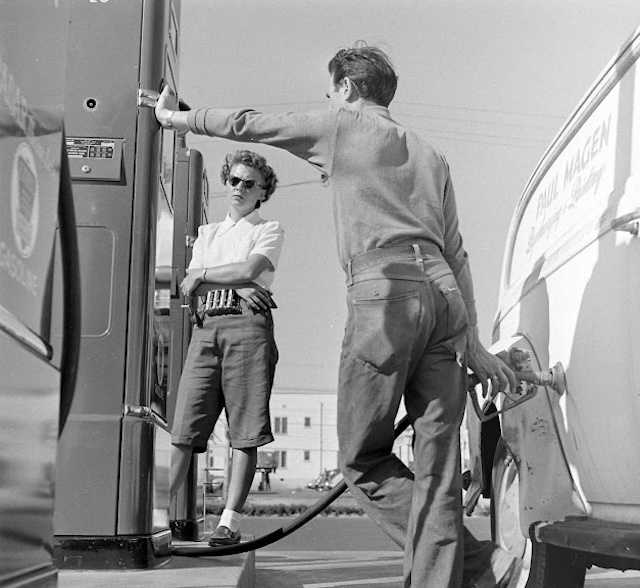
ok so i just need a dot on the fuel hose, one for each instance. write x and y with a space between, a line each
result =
197 550
202 549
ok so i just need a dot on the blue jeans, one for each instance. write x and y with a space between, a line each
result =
405 336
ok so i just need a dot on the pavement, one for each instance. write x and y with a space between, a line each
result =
230 571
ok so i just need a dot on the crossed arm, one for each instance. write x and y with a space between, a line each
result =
237 276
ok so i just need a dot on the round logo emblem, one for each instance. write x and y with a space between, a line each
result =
25 202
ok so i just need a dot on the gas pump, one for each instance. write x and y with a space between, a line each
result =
112 507
190 211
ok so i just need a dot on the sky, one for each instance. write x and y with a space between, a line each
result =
488 82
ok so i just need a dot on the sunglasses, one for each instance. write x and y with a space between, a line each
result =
247 184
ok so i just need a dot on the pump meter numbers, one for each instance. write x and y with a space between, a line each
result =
95 158
91 149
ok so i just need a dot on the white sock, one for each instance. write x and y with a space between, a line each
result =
230 519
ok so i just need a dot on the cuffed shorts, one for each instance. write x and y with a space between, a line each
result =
230 364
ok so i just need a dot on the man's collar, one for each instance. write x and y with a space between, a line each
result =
372 108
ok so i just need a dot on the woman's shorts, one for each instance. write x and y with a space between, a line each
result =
230 365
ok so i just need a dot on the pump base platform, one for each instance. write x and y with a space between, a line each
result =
227 571
124 552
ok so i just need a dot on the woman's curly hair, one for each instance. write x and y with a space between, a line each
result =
250 159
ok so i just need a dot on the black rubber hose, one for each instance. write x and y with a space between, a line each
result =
197 550
202 550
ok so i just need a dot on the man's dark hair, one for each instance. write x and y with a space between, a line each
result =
369 69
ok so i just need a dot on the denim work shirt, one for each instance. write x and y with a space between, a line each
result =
389 186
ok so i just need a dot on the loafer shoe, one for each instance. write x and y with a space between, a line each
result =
224 536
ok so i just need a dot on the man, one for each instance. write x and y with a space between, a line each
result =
411 323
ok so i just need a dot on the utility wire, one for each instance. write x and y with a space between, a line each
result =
467 140
484 135
396 103
445 134
473 120
473 109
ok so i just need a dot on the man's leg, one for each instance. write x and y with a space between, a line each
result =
440 551
373 372
487 565
436 399
376 354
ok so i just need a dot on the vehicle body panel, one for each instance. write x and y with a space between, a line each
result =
32 44
569 294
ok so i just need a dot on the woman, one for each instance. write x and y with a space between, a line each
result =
232 355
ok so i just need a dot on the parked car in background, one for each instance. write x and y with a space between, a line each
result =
562 468
326 481
214 486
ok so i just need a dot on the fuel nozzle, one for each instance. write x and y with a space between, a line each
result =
519 360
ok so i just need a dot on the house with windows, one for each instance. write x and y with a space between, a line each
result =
305 430
306 443
304 425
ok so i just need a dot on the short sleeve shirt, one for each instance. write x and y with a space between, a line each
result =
233 242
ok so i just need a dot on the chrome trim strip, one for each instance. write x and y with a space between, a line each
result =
11 325
144 413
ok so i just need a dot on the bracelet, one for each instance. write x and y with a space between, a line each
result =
169 124
204 274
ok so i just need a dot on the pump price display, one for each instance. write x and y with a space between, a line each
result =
90 148
95 158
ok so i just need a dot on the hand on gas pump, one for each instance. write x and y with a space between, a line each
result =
488 367
166 105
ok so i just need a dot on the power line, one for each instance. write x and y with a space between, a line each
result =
484 135
473 120
471 108
448 134
467 140
396 103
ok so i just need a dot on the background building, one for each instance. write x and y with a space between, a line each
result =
306 443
